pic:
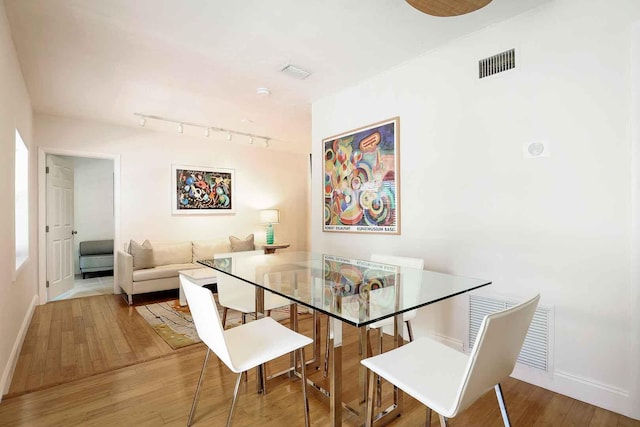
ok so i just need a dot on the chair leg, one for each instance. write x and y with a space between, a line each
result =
409 330
378 379
224 317
503 407
326 349
235 398
303 371
197 395
428 418
443 421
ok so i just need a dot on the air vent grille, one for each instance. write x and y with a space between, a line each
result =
535 350
295 72
497 63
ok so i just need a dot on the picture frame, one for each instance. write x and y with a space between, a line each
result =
201 190
361 185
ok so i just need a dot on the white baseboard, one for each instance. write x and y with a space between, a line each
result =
569 384
448 341
575 386
7 375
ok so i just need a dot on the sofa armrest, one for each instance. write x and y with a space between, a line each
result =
125 273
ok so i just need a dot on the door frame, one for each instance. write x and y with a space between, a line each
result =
634 306
42 211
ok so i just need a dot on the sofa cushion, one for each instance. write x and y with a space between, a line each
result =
171 253
162 271
96 261
238 245
142 254
206 249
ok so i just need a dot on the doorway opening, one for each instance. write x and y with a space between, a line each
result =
79 199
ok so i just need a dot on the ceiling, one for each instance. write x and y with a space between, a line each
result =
201 61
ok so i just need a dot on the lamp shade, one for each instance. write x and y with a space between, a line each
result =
270 216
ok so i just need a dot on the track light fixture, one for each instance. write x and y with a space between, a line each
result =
206 129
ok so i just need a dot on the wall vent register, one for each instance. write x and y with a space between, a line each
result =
535 350
497 63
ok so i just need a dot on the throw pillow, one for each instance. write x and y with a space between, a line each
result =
142 254
238 245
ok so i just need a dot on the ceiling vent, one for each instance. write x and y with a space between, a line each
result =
295 72
497 63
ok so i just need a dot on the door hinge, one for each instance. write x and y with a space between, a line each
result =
46 169
47 283
46 229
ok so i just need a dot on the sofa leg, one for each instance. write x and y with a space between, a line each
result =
130 299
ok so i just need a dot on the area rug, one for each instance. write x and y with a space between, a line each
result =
175 326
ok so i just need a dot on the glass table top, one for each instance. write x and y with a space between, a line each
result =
355 291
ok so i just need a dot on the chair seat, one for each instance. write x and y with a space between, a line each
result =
427 370
258 342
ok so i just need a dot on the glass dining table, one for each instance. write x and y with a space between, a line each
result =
350 291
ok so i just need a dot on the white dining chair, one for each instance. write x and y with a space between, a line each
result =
400 261
243 347
448 381
236 294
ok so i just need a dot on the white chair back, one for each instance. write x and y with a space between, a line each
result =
496 351
402 261
206 318
233 292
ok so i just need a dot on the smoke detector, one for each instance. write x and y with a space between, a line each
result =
263 91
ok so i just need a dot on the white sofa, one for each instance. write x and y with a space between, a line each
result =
168 260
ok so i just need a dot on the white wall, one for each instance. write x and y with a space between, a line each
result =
93 201
264 178
17 297
473 205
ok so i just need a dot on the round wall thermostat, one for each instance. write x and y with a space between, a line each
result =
535 149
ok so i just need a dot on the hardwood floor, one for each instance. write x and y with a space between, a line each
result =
76 338
157 384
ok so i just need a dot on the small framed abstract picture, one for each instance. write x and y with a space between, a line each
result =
199 190
361 185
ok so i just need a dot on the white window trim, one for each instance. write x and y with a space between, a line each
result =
20 262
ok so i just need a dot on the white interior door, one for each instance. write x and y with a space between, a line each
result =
60 271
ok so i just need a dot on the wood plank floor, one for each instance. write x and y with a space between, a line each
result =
77 338
159 391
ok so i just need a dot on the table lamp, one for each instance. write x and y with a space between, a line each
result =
270 217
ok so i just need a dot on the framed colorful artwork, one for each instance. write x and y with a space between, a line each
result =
361 186
202 190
